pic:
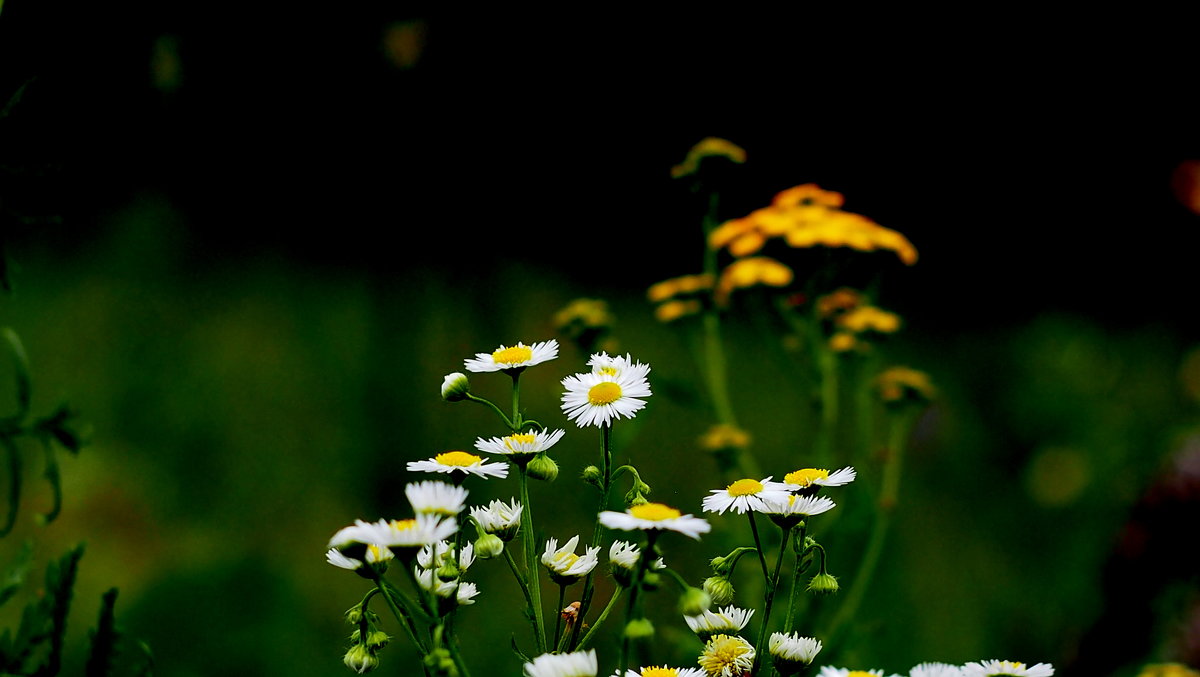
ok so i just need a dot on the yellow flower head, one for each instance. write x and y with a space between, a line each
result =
709 147
675 309
723 436
869 318
752 272
898 384
1168 670
679 286
583 314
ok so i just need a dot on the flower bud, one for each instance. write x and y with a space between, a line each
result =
354 614
488 546
360 659
448 571
542 467
719 590
377 640
651 581
440 663
694 602
593 476
823 584
455 387
639 628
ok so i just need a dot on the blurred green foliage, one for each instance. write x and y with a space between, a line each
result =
247 407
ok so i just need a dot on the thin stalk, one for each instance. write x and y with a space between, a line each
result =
531 564
496 409
633 609
562 594
797 569
529 606
762 558
606 470
612 601
516 401
401 615
770 600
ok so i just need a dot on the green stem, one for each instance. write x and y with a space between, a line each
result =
496 409
770 600
516 401
532 570
402 616
633 609
789 622
529 606
599 620
607 475
762 558
562 594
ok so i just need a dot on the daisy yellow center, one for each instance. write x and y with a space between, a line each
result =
565 560
722 654
660 672
859 673
403 525
604 393
513 355
654 511
460 459
806 476
611 371
1009 665
744 488
519 438
375 553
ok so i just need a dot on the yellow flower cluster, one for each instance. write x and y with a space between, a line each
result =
1168 670
679 296
723 436
898 384
752 272
869 318
807 216
709 147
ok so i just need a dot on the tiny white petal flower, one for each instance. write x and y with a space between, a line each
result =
827 671
577 664
459 461
499 518
727 621
743 495
726 656
467 593
994 668
564 565
520 443
438 554
655 516
808 477
359 533
599 398
663 671
436 498
337 559
424 529
935 670
616 365
514 357
791 652
793 505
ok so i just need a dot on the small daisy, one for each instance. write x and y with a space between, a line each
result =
664 671
793 509
459 461
462 592
577 664
614 366
437 498
499 518
1006 669
374 555
935 670
655 516
438 554
745 494
599 398
626 556
358 534
792 653
411 533
808 477
520 444
565 566
728 621
727 656
827 671
515 357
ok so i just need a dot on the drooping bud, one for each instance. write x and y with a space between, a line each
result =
719 590
440 663
823 584
360 659
593 476
488 546
377 640
448 571
455 387
542 467
639 628
694 602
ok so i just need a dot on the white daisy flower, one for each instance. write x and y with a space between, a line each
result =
565 566
995 668
745 494
459 461
623 558
436 555
664 671
463 593
604 365
794 508
726 656
359 533
514 357
598 399
935 670
520 444
500 518
728 621
436 498
827 671
577 664
808 477
374 554
655 516
424 529
792 653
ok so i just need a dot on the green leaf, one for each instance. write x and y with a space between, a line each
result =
60 582
104 638
517 650
15 576
21 372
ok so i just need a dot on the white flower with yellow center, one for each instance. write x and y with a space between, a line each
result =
499 518
809 477
359 533
459 461
728 621
507 358
935 670
649 516
1006 669
577 664
435 498
599 398
663 671
798 506
565 566
727 656
373 555
438 554
614 366
520 444
791 652
745 494
463 593
424 529
626 555
827 671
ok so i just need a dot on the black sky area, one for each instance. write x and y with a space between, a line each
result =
1029 158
